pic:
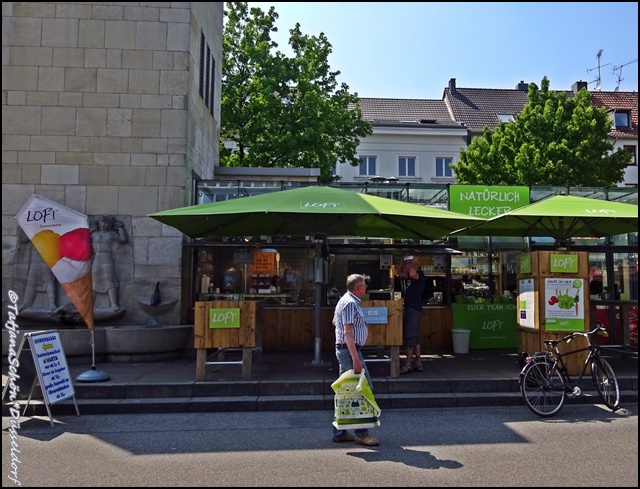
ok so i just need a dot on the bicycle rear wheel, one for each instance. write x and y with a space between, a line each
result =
606 383
542 388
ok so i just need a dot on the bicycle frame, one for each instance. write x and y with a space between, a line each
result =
558 362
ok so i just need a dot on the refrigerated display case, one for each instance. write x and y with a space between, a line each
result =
471 275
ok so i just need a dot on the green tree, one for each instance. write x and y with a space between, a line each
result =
279 111
555 140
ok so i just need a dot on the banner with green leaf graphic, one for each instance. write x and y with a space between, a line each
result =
564 304
524 263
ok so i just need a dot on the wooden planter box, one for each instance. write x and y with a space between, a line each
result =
247 337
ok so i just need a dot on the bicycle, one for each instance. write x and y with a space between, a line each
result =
545 381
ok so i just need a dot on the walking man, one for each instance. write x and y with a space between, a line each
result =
351 335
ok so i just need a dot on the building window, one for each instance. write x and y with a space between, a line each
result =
202 61
632 150
367 166
208 78
212 75
506 118
407 166
621 119
443 167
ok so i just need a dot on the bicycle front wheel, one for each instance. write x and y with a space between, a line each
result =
542 387
606 383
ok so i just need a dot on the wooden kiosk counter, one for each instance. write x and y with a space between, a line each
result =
282 329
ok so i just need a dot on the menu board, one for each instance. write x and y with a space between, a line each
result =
263 263
48 363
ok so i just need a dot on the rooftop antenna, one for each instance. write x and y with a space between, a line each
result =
597 81
618 69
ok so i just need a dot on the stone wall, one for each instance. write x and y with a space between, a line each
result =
101 113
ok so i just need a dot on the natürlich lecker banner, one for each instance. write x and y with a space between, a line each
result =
486 201
61 236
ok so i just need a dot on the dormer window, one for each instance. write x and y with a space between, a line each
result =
506 118
622 119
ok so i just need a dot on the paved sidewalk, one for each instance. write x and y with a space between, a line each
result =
293 381
296 367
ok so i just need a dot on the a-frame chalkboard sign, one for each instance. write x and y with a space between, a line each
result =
46 365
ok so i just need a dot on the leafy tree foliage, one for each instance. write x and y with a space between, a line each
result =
555 140
279 111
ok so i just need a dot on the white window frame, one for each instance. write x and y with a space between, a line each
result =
406 162
441 170
366 161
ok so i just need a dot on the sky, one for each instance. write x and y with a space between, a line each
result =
411 50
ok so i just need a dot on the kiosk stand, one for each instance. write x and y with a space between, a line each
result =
552 301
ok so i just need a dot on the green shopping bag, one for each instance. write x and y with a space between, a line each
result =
355 405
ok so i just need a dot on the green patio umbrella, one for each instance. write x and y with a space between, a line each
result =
317 211
561 217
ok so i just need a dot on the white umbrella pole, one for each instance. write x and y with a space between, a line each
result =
93 375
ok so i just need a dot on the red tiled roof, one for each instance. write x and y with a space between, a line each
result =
619 100
478 107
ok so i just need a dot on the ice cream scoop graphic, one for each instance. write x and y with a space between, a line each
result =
74 246
69 257
67 270
48 245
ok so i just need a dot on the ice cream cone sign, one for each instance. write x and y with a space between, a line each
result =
61 236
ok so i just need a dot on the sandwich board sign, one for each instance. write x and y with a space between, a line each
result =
47 365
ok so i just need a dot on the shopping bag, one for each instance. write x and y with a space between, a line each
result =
355 405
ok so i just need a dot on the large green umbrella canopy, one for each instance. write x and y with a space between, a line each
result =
315 210
561 217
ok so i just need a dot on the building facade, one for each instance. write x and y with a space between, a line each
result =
414 141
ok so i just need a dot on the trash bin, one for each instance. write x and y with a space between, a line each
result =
461 340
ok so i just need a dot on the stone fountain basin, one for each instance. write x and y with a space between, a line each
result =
119 344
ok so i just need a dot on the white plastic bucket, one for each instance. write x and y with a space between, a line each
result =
461 340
